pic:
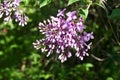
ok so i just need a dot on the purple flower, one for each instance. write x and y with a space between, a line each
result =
22 19
63 33
6 19
61 12
17 2
88 36
71 15
1 14
5 7
11 7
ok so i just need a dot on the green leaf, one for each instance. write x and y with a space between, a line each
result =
88 66
44 3
84 13
46 76
1 52
16 74
109 78
35 58
115 14
13 46
71 2
10 23
2 41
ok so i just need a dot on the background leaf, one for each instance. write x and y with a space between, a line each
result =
115 14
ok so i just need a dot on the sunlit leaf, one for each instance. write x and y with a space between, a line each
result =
1 52
72 1
44 3
88 66
109 78
84 13
46 76
13 46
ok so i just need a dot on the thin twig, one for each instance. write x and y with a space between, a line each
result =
113 32
97 58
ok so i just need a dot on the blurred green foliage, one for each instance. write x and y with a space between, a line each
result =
20 61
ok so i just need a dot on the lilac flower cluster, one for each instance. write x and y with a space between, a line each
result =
12 6
63 33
